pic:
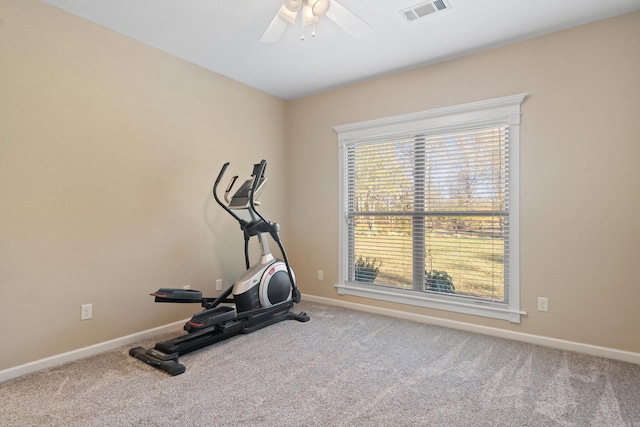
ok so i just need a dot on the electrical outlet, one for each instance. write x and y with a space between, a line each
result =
320 275
218 284
186 287
543 304
86 311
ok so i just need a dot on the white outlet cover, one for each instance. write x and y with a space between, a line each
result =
86 311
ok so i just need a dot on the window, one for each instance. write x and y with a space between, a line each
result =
429 208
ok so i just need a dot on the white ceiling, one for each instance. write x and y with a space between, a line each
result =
222 35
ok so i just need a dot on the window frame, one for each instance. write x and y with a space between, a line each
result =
499 111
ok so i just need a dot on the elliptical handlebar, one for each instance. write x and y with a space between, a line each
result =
270 227
256 181
215 193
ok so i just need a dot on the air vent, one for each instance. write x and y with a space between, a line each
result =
423 9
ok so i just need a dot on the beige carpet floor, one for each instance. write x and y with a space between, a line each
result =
343 368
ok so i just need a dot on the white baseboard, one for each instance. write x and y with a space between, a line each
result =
81 353
610 353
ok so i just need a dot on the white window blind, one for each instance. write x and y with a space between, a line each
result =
430 213
426 207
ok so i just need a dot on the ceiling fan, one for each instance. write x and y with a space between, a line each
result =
312 11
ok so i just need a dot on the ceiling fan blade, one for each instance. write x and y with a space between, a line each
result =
274 30
351 23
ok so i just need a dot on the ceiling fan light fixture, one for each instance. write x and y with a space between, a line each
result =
293 5
312 11
287 15
308 17
319 7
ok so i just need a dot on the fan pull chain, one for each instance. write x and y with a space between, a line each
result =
313 32
302 28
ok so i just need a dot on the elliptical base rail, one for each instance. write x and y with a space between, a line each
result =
164 355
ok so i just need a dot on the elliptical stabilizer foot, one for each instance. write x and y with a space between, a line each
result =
170 366
300 317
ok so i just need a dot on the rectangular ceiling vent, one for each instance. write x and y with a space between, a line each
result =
423 9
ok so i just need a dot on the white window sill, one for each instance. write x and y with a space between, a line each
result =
409 297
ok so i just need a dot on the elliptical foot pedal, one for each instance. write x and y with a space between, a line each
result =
177 295
210 317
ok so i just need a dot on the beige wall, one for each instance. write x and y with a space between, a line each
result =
108 150
580 197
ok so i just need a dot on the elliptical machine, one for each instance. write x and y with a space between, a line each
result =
261 297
